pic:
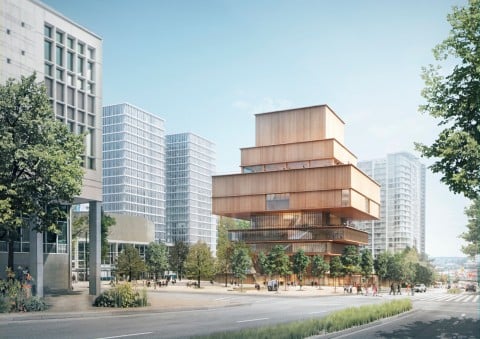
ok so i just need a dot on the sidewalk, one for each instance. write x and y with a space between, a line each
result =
78 303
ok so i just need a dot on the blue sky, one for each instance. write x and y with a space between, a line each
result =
208 66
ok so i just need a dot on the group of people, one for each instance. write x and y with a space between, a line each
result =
365 290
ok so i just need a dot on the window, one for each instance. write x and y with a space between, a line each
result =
59 74
59 56
71 113
91 104
81 100
60 96
59 37
275 202
48 50
70 61
71 96
47 30
70 80
81 48
49 86
91 53
48 69
91 75
91 120
70 43
80 66
59 109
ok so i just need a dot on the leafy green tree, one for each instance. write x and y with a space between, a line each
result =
278 262
336 270
130 263
241 262
300 264
424 274
455 99
106 221
350 260
395 267
177 256
319 266
381 266
472 235
263 264
224 246
40 168
156 259
200 262
366 263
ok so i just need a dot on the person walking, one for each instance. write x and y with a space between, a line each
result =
392 289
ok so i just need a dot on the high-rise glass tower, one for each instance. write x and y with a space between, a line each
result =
402 212
134 164
190 166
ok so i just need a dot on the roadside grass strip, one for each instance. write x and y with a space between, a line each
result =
336 321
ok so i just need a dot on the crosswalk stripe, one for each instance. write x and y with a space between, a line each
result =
468 298
475 299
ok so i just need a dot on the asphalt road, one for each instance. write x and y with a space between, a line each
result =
433 316
430 319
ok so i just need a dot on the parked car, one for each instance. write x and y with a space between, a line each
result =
420 288
471 287
272 285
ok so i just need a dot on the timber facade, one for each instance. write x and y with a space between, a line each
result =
299 186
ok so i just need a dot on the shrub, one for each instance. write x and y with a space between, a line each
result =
336 321
18 298
123 296
454 290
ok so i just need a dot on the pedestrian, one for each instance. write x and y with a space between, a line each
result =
399 291
374 290
392 289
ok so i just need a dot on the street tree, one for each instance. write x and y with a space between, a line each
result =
381 266
177 256
200 262
263 264
300 264
41 166
156 259
106 221
350 260
241 262
319 266
224 246
336 270
278 262
130 263
366 263
454 99
472 235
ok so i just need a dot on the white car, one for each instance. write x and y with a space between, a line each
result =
420 288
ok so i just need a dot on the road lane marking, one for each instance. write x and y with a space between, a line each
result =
249 320
317 312
126 335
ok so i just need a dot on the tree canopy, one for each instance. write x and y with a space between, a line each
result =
177 256
156 258
200 262
454 99
300 262
129 263
241 262
41 165
472 235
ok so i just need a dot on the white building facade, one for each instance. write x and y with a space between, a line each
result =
134 164
402 212
68 59
190 163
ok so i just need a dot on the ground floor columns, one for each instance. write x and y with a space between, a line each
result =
36 261
95 247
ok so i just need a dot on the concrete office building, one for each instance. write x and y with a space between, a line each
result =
299 187
134 164
402 213
190 166
68 59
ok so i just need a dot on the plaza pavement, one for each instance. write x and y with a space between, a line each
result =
78 303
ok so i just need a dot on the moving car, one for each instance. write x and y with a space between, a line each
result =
420 288
470 287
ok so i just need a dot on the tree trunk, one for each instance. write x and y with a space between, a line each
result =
10 255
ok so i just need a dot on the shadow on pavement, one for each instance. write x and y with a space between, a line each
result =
444 328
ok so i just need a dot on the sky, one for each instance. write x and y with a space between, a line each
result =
207 67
